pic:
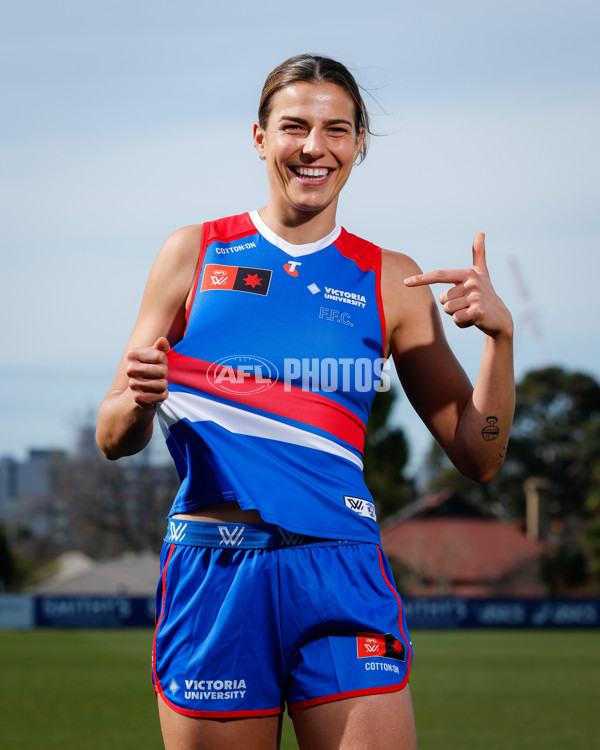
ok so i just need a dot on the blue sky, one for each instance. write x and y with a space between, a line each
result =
123 121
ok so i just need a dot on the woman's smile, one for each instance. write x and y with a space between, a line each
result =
312 175
309 144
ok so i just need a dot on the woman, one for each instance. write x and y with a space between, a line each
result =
260 341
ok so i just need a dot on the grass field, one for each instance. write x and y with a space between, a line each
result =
473 690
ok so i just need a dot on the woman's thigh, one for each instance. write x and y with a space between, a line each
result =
370 722
187 733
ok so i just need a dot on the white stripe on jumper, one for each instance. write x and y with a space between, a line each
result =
180 405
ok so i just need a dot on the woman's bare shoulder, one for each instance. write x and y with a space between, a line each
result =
170 281
183 244
396 264
403 306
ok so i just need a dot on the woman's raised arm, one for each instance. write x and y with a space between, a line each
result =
125 417
472 424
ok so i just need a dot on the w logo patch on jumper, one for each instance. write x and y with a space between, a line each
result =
380 645
361 506
236 278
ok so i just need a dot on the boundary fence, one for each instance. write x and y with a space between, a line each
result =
19 611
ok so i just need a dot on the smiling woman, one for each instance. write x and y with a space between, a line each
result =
310 143
316 69
260 346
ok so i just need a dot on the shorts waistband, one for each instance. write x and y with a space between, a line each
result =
240 536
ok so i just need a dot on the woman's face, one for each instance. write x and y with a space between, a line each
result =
309 144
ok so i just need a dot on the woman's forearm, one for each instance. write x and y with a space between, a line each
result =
124 427
484 426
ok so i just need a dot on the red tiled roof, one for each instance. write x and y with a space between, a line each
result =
465 550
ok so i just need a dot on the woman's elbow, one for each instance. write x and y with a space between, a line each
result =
109 450
482 473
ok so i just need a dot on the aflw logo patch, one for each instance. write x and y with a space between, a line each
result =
361 506
377 644
236 278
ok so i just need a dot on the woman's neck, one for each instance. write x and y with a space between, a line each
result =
299 227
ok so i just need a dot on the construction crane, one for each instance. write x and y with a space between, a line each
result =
528 317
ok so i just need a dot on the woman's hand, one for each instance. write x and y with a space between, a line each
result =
472 300
456 413
147 371
126 414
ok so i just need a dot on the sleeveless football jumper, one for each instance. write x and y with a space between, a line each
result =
270 389
271 386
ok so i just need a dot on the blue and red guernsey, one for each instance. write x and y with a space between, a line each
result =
271 386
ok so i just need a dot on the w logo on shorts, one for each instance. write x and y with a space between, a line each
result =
231 538
290 539
176 531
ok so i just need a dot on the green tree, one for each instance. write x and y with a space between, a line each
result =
13 570
555 435
385 458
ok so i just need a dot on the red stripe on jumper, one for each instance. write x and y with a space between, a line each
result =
228 230
368 257
282 399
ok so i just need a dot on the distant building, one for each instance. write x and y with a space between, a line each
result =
55 501
77 574
444 545
9 484
26 486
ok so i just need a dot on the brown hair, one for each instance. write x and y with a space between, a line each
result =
315 69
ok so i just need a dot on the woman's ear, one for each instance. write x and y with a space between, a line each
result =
259 140
360 139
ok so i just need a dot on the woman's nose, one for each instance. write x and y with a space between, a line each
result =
313 144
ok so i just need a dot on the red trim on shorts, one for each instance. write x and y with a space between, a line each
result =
158 688
157 685
400 617
367 691
348 694
218 714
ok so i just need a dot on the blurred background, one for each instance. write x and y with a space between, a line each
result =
124 121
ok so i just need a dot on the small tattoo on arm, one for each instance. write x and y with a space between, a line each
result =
503 452
490 431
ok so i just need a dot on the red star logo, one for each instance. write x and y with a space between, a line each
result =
397 648
253 280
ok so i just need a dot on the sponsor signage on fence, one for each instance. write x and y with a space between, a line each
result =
16 612
93 611
502 613
22 611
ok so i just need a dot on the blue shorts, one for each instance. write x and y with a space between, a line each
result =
251 617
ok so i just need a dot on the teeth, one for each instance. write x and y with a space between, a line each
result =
312 171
